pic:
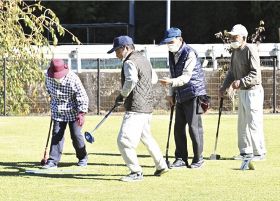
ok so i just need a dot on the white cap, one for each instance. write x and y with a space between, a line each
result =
238 29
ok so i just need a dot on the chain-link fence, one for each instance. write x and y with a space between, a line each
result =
101 79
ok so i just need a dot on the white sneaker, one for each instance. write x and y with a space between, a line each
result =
49 165
259 157
247 164
243 156
133 176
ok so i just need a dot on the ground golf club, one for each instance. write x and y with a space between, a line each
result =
168 138
45 158
89 135
215 156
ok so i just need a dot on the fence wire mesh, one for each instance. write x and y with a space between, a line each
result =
102 84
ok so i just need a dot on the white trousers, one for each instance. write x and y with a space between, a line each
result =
136 127
250 121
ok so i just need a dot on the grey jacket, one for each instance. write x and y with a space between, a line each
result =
245 66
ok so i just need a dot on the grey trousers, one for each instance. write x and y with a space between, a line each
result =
58 140
250 121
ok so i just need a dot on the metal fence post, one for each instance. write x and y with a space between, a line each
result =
98 87
131 27
87 35
79 62
4 79
215 62
278 56
274 85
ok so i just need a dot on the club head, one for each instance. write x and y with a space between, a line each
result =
43 161
215 157
89 138
168 164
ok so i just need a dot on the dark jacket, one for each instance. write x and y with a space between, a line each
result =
196 85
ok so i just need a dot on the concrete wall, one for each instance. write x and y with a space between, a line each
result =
110 86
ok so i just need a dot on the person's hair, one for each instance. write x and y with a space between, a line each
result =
180 38
132 47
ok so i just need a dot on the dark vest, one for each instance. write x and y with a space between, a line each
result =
196 86
141 98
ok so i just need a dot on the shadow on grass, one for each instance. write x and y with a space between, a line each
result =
109 154
27 169
145 156
221 159
33 169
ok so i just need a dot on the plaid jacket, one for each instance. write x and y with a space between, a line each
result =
68 98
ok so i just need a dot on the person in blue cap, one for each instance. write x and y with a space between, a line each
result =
136 95
186 86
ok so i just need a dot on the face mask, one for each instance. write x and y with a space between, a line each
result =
235 44
173 47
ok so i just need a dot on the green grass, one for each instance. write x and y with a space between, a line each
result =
22 142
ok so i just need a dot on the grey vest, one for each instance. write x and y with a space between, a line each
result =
141 98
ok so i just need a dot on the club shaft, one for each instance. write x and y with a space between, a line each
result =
169 131
104 118
49 134
99 124
47 143
45 154
217 133
48 139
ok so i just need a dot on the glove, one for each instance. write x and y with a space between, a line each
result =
119 100
81 119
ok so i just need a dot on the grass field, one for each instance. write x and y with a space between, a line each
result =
22 142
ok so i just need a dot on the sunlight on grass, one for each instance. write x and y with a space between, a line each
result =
23 140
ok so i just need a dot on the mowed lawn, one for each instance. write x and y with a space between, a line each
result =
22 143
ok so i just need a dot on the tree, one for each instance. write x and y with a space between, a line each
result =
23 27
269 11
88 12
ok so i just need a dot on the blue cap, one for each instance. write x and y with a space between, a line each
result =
120 42
170 34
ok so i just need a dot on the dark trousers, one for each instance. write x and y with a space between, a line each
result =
58 140
186 114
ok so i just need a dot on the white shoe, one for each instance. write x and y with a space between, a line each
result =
132 177
243 156
259 157
49 165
